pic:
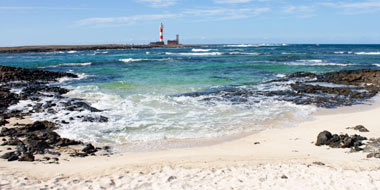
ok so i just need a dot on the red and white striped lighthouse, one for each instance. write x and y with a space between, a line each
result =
161 33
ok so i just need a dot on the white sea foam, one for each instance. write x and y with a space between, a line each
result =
67 79
242 45
149 117
128 60
377 64
316 62
77 64
253 45
311 60
71 51
23 105
367 53
202 50
195 54
68 64
100 52
292 53
243 53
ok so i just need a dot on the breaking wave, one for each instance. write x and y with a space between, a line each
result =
68 65
195 54
367 53
202 50
316 62
128 60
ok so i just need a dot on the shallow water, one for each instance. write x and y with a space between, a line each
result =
141 90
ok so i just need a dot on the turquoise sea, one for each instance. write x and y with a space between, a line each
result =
140 90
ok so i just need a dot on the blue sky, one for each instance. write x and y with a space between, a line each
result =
42 22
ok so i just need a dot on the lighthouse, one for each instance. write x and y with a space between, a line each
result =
161 42
161 33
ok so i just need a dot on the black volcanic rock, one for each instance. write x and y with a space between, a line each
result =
327 90
3 121
38 138
302 74
10 156
361 128
7 98
89 149
352 77
340 141
8 74
323 138
26 157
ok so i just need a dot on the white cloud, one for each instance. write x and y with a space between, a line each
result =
159 3
299 11
124 20
225 13
200 15
362 5
355 7
231 1
9 8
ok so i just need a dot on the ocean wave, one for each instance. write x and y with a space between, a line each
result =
367 53
202 50
242 45
280 75
316 62
196 54
377 64
311 60
344 52
253 45
243 53
72 51
77 64
68 64
292 53
101 52
68 79
128 60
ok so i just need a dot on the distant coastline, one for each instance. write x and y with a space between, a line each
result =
52 48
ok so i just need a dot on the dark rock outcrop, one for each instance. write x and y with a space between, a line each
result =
8 74
3 120
361 128
38 137
340 141
327 90
89 149
373 147
10 156
323 138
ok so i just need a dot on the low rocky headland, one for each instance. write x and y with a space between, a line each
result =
53 48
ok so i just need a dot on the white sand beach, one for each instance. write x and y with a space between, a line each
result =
272 159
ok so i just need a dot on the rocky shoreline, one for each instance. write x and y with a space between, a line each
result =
326 90
39 138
